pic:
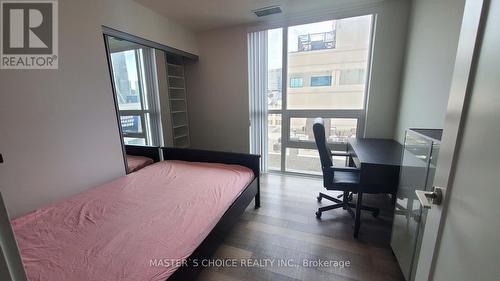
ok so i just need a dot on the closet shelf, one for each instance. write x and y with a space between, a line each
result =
181 136
175 65
177 99
179 126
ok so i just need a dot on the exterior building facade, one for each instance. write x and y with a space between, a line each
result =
326 70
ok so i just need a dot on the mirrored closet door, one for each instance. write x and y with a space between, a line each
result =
150 94
149 88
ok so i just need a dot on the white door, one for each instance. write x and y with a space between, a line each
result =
459 241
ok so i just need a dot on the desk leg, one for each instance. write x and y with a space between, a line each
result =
357 219
257 196
393 199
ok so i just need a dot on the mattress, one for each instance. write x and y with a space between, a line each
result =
135 163
120 230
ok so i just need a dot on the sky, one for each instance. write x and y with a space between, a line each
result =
275 41
274 48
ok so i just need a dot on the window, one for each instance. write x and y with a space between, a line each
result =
337 130
347 52
135 141
352 77
274 141
296 82
316 41
306 161
320 57
303 160
126 75
321 81
131 124
134 92
274 68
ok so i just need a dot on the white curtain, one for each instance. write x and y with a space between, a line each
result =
257 77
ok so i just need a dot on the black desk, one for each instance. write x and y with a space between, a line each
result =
379 161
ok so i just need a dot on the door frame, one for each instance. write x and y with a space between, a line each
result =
468 48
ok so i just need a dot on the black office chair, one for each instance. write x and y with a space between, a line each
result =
345 179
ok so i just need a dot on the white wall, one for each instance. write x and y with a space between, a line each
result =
218 101
432 43
387 61
58 130
218 90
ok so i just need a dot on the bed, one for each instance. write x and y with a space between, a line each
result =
135 163
153 224
138 157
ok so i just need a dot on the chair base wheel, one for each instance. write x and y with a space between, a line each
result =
318 215
319 198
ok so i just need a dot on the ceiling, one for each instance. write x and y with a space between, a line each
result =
202 15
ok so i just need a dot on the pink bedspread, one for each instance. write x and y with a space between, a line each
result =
112 232
135 163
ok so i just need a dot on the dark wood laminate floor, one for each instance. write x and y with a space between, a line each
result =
286 230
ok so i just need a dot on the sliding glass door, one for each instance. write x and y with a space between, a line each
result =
315 70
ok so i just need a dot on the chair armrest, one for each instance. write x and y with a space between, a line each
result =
345 169
346 154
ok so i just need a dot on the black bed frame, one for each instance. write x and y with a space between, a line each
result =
152 152
207 248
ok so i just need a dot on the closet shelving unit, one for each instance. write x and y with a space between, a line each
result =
178 103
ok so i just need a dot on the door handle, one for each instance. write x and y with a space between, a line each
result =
427 198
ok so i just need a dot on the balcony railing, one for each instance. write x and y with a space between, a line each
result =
316 41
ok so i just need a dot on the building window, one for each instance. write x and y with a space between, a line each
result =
133 79
321 81
312 58
317 41
352 77
296 82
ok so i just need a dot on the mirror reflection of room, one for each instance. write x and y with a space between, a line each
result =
150 94
150 99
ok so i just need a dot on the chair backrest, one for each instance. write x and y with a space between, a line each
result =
319 137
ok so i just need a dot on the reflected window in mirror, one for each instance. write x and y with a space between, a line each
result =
149 90
133 68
